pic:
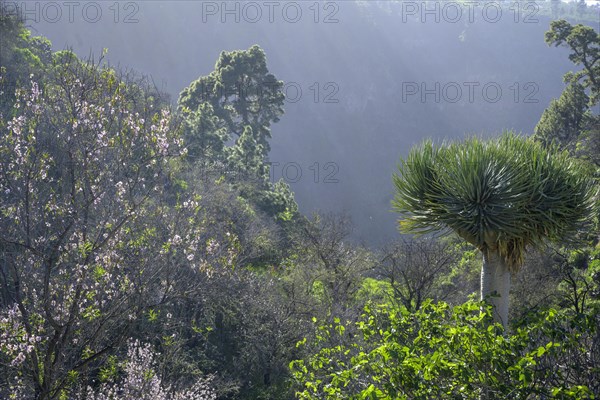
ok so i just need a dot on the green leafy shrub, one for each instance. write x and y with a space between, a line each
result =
440 352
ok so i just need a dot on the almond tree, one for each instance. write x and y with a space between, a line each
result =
84 161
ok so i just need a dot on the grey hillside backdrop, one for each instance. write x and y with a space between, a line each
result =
365 56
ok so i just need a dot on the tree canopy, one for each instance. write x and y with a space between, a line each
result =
242 92
501 194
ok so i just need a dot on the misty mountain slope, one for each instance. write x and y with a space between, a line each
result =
356 114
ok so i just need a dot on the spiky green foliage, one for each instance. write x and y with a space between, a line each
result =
500 195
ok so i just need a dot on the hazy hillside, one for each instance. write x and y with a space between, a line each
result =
362 118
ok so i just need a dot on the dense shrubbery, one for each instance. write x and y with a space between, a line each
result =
456 352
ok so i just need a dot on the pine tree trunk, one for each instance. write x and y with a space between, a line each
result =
495 282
